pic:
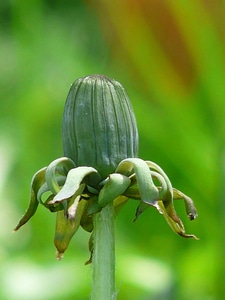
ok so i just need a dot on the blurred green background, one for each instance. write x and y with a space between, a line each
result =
170 57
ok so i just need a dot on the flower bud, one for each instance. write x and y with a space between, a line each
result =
99 126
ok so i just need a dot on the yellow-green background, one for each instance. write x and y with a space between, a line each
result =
170 57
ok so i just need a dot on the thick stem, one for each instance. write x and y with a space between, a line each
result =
103 262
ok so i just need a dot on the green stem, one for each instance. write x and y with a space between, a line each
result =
103 262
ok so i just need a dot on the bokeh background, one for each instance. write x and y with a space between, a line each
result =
170 57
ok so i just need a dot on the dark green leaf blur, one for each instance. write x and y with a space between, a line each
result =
170 57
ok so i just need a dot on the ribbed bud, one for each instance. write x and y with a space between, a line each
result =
99 126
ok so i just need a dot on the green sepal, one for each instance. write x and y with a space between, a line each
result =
59 166
36 182
73 182
53 207
66 228
166 197
134 193
148 191
116 184
44 189
176 225
189 204
164 176
166 204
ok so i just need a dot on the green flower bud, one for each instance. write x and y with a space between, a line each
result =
99 126
100 167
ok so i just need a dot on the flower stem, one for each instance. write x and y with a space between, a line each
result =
103 262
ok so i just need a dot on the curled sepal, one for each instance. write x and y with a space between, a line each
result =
166 197
73 183
134 193
177 226
148 192
59 166
169 191
36 182
44 189
189 204
66 228
116 184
